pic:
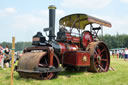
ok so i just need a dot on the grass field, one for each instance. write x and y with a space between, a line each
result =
117 77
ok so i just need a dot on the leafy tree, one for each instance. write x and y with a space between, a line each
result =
18 45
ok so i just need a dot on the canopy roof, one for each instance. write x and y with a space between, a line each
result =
81 20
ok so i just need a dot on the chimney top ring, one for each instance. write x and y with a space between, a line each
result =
52 7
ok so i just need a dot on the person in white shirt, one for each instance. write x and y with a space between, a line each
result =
126 53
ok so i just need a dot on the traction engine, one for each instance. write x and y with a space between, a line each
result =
68 51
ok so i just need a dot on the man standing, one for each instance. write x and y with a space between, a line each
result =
7 57
126 54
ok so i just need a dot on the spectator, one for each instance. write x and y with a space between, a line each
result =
117 53
1 57
126 53
6 56
113 54
123 54
120 53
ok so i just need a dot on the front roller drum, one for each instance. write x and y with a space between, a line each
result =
29 61
100 57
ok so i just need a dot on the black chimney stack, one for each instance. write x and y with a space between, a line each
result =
51 22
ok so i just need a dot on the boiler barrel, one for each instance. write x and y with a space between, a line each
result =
60 47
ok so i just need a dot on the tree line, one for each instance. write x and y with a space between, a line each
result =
19 46
116 41
112 41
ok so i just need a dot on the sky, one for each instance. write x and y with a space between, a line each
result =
23 18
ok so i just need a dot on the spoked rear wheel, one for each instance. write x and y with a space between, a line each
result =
100 57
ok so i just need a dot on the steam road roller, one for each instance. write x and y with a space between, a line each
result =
73 48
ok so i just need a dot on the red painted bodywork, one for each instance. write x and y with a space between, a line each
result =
62 48
75 39
67 47
71 38
70 49
75 58
51 54
68 36
86 38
